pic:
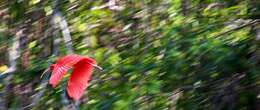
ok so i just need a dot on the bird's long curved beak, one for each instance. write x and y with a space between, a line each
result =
45 71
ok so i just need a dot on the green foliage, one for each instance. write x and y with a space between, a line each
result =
154 56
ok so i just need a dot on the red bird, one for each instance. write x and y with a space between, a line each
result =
81 73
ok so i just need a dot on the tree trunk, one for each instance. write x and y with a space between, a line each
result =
185 4
59 20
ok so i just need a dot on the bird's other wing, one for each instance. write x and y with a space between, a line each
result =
79 78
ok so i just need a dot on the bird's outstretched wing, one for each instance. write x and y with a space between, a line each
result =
79 78
61 66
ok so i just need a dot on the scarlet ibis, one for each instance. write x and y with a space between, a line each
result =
82 68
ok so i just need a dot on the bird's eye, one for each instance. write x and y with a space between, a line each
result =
52 66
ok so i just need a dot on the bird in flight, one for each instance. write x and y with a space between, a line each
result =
82 68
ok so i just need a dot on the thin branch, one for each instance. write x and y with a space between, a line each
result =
239 27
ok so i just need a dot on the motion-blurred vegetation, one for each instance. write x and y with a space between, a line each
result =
156 54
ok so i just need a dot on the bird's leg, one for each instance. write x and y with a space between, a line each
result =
100 68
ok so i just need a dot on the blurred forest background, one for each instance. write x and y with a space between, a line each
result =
156 54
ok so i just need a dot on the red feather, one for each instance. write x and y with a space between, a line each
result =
61 66
79 78
78 81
